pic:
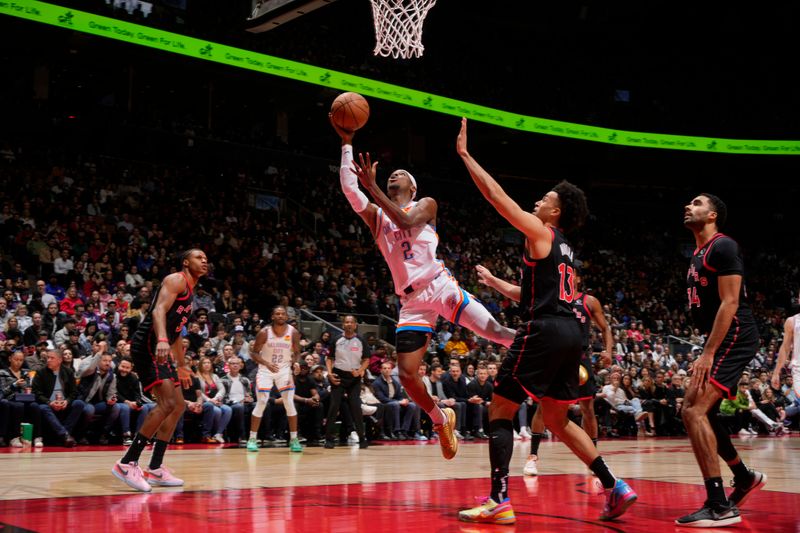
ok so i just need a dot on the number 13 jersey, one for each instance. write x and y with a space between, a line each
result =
548 284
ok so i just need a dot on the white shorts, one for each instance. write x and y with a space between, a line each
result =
442 297
795 367
281 379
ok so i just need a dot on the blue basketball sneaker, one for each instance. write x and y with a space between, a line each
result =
618 500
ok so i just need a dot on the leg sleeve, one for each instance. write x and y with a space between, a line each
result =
473 315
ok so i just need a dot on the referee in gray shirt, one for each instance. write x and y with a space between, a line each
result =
345 369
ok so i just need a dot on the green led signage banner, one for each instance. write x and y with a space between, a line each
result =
71 19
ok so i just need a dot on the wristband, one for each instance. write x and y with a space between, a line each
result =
164 340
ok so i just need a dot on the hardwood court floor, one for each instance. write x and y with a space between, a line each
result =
406 487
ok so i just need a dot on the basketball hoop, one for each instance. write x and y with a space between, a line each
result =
398 27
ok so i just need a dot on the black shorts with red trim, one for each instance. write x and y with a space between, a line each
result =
149 371
588 389
734 354
542 362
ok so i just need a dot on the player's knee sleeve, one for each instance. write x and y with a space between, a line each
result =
261 404
410 341
288 402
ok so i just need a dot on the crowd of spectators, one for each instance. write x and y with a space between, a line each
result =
86 242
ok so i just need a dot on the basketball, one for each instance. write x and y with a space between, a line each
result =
350 111
583 375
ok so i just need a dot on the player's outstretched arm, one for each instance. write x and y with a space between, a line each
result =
506 288
349 181
533 228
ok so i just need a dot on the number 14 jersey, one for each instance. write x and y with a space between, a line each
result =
720 256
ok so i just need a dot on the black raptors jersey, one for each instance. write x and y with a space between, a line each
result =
584 317
548 284
720 256
177 317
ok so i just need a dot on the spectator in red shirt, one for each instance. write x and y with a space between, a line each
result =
72 299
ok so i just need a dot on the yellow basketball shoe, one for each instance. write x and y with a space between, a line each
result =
489 512
447 436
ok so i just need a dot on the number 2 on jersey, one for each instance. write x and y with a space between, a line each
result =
567 281
407 254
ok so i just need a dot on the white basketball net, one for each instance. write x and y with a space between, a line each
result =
398 27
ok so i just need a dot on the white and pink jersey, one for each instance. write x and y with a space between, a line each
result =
278 349
410 253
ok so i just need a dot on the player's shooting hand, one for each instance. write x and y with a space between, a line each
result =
365 171
484 275
185 376
346 135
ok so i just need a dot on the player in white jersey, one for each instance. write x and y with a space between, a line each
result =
405 232
789 346
276 350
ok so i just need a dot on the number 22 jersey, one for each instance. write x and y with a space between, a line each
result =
278 350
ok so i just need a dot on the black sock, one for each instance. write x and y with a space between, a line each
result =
501 446
594 441
135 449
536 438
158 454
740 471
715 490
600 469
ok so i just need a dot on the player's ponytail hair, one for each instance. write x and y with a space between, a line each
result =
574 208
719 207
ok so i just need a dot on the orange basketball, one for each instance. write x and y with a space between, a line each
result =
350 111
